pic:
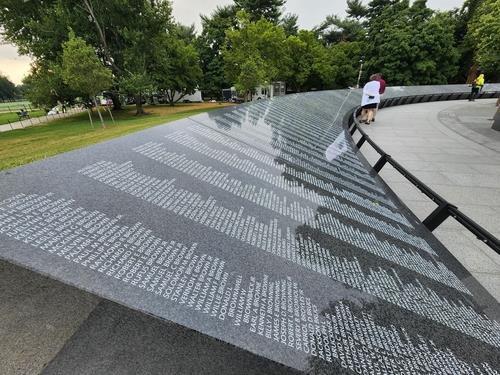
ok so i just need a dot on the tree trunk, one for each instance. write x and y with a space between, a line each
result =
170 98
181 96
100 32
138 105
99 113
472 73
89 110
111 115
117 104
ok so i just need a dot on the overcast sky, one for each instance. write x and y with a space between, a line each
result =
310 12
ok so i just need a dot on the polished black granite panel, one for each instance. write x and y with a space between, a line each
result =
259 225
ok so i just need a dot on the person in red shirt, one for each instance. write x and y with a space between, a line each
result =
382 82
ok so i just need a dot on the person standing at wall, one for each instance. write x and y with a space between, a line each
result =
370 99
380 78
477 86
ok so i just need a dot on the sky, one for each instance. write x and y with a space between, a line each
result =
310 12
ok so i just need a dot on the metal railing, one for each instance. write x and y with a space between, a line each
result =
444 208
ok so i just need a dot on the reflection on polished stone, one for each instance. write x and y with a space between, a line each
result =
259 225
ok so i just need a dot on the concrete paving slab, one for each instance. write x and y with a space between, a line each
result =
487 168
490 282
37 315
467 252
117 340
453 166
459 160
480 180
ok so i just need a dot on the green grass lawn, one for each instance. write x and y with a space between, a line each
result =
14 106
5 117
24 146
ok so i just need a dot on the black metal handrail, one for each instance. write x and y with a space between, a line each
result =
444 209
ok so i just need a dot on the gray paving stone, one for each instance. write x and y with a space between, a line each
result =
471 172
490 282
117 340
37 316
480 180
467 251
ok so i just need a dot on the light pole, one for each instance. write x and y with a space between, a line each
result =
360 72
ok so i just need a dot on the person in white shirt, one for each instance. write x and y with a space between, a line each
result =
370 99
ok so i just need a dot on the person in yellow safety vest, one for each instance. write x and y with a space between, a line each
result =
477 85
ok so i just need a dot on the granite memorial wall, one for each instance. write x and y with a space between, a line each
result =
263 226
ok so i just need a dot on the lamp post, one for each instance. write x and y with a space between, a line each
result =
360 72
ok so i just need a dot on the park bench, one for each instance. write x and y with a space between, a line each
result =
23 115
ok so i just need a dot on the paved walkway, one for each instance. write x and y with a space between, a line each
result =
38 120
451 147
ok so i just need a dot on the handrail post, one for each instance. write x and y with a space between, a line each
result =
440 214
354 128
381 162
361 141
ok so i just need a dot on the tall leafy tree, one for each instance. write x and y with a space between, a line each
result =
484 31
466 44
45 87
181 74
209 45
39 28
185 33
83 72
271 10
356 9
344 57
335 29
289 23
254 48
251 74
309 66
376 7
7 88
411 45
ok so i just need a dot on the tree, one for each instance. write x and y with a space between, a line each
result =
7 88
260 42
40 28
271 10
82 70
411 45
376 7
181 75
299 68
289 24
251 74
344 57
45 86
466 45
137 84
185 33
334 29
308 65
145 56
484 31
356 9
209 45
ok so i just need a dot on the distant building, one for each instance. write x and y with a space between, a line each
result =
277 88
